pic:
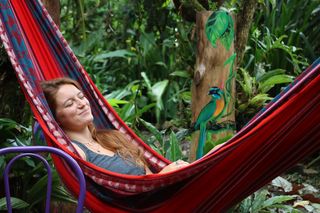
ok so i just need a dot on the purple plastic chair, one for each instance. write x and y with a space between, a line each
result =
32 151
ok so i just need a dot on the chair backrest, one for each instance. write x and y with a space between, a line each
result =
33 152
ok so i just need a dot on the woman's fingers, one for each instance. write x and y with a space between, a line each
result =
180 163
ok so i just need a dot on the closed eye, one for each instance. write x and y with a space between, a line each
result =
69 103
81 95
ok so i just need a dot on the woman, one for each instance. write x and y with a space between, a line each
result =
108 149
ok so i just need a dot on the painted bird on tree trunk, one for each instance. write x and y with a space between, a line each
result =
220 27
211 112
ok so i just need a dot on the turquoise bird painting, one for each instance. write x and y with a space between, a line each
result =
211 112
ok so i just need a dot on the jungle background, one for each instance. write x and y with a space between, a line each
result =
141 55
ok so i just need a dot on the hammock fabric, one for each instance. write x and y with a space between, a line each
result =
284 132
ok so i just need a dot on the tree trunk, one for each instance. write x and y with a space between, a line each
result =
209 71
53 7
244 20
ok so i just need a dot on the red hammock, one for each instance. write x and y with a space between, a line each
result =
278 137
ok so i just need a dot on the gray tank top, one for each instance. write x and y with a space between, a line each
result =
113 163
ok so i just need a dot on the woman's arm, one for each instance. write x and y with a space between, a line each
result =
169 168
174 166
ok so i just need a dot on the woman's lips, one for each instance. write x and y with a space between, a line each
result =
84 111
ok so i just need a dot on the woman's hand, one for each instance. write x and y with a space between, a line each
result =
174 166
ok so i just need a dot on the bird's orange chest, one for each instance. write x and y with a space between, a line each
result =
219 107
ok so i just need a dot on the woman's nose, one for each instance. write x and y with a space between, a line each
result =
81 102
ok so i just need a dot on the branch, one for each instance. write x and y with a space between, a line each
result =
188 8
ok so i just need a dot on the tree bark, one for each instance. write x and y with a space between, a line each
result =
244 20
53 7
209 71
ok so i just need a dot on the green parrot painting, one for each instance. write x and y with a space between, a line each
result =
220 26
211 112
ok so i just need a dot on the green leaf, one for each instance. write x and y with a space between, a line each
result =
155 148
273 3
273 80
259 100
174 149
116 102
181 73
113 54
30 162
16 203
160 63
158 90
166 3
145 109
260 197
277 200
247 83
59 193
40 188
127 111
269 74
153 130
146 80
186 96
147 43
2 162
8 124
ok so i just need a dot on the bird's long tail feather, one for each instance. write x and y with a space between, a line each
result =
202 140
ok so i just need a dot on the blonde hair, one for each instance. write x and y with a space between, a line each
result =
110 139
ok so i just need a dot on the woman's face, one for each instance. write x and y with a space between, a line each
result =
73 110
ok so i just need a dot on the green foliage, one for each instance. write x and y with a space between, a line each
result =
168 146
282 42
12 132
16 203
296 19
141 96
140 38
261 201
156 92
254 90
273 51
174 151
130 103
270 65
28 177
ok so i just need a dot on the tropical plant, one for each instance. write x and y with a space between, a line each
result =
296 19
262 201
254 90
266 72
166 145
274 52
28 177
130 103
140 96
132 41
